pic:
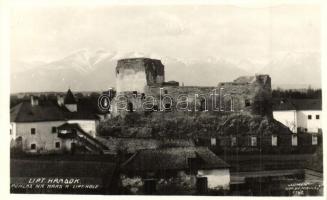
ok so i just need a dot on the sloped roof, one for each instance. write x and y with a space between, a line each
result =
297 104
45 111
69 126
172 159
283 104
307 104
69 98
81 115
72 126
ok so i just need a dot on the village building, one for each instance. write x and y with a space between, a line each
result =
35 124
191 168
299 115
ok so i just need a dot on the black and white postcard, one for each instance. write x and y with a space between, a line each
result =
189 99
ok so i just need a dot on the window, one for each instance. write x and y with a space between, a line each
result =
317 117
314 140
166 92
309 116
213 141
294 140
54 129
33 131
247 102
274 140
253 141
33 146
233 143
57 145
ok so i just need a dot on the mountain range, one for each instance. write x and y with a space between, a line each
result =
86 71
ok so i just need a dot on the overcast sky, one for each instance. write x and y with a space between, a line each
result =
185 32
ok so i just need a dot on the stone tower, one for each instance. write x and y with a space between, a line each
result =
134 74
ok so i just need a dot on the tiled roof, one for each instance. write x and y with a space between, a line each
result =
307 104
173 159
283 104
80 115
45 111
297 104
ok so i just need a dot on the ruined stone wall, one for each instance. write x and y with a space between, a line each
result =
177 98
140 83
167 98
250 93
136 73
247 94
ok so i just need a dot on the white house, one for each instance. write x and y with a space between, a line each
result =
34 123
300 115
183 164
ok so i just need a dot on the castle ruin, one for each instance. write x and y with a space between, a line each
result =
141 87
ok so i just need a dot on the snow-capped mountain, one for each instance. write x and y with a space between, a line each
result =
84 70
297 68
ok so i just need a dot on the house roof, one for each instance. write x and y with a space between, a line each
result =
307 104
297 104
75 126
48 110
283 104
66 126
80 115
45 111
69 98
172 159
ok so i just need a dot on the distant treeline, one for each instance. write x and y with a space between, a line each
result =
297 94
14 99
308 93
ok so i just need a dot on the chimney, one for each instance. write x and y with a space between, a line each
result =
60 100
34 101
